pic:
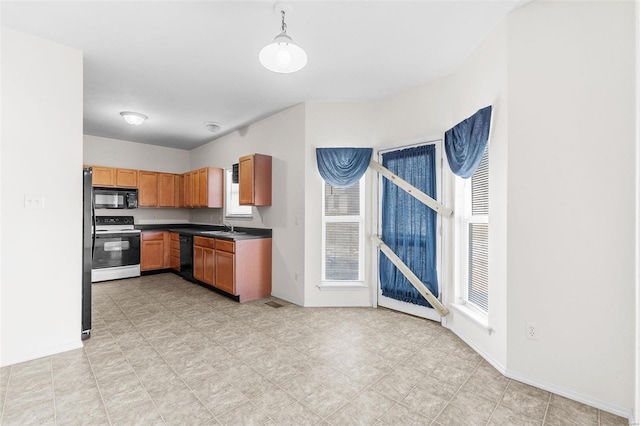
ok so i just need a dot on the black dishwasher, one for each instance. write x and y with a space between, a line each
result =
186 257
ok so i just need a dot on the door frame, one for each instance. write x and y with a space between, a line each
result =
379 299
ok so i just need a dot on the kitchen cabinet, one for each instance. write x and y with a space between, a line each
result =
254 178
166 190
154 251
109 176
126 178
240 268
179 181
204 187
174 251
147 189
225 266
103 176
203 259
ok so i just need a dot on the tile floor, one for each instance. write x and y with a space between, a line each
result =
165 351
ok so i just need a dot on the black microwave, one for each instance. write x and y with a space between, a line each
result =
115 198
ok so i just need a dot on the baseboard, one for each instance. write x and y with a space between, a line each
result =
576 396
28 356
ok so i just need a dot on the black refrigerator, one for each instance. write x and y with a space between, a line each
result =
88 218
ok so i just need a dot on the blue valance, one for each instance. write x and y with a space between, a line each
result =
343 167
466 141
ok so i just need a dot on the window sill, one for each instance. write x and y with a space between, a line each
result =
345 285
477 318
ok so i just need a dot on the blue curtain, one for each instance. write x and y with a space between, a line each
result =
408 226
465 143
343 167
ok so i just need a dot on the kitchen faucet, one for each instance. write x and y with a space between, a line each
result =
228 225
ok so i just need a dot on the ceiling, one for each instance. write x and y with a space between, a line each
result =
186 62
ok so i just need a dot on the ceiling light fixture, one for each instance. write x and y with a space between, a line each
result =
133 118
283 55
212 126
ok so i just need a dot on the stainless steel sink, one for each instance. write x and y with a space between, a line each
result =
225 233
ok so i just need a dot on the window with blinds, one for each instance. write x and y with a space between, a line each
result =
478 238
343 233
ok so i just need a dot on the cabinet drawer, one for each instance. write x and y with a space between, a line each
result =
149 236
204 242
174 245
175 252
175 237
224 245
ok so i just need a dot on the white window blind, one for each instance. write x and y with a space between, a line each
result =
343 233
478 238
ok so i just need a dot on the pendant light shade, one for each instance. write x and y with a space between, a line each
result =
283 55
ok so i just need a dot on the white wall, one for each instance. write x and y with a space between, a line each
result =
99 151
40 280
283 137
332 124
571 198
636 410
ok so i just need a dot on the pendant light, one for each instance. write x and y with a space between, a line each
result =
283 55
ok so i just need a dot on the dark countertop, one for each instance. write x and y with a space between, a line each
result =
204 231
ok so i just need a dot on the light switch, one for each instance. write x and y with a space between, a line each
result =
33 201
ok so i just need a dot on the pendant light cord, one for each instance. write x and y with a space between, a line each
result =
284 26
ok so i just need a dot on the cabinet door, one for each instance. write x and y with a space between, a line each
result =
148 189
195 189
215 187
179 193
202 187
209 265
126 178
245 180
166 190
225 271
198 263
103 176
152 251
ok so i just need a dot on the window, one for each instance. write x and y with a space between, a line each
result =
232 207
475 239
343 233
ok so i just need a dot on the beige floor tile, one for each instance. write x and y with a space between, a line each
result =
401 415
474 403
192 413
143 414
246 414
526 400
563 411
296 414
608 419
399 382
505 416
33 413
121 393
366 408
424 402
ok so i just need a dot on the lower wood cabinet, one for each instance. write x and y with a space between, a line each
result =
203 259
174 251
241 268
154 251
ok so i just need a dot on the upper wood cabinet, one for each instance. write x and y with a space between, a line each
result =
103 176
204 187
198 188
126 178
109 176
254 178
147 189
167 190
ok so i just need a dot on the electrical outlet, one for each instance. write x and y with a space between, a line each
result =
532 332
